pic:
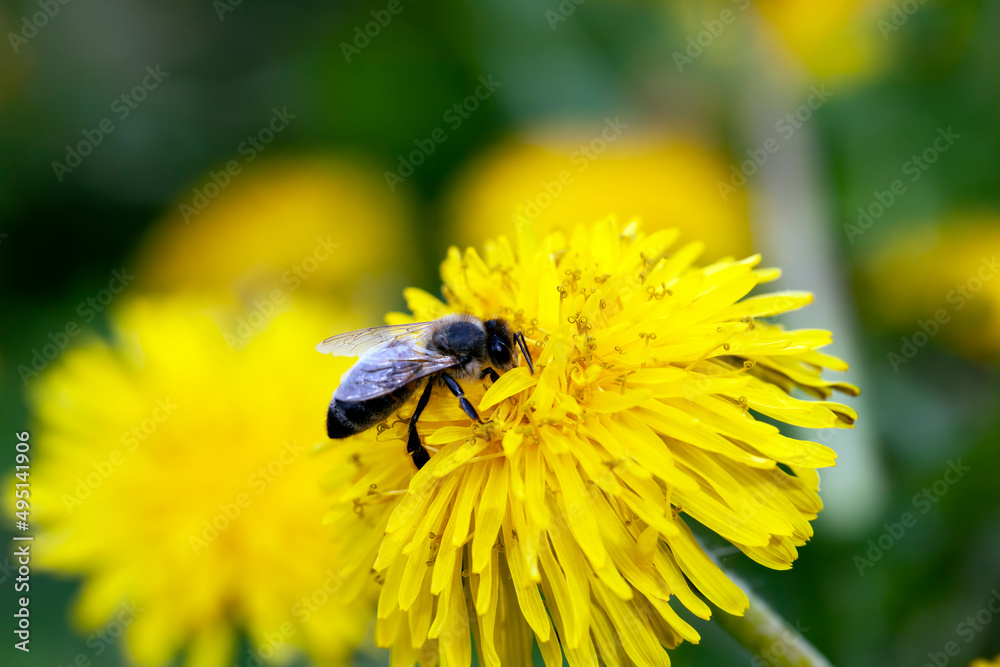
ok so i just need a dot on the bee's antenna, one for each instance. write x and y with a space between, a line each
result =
521 343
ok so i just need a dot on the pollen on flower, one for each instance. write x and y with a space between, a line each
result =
565 520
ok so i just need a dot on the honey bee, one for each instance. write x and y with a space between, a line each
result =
395 360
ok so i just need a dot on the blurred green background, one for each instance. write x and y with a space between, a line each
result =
804 131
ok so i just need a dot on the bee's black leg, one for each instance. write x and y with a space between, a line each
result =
489 371
413 446
523 344
462 400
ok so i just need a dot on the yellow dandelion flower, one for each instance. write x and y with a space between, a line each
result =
173 475
304 223
837 38
939 283
566 519
983 662
558 179
833 38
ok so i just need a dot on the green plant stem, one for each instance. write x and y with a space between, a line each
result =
767 635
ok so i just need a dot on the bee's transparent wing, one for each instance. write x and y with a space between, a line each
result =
356 343
384 370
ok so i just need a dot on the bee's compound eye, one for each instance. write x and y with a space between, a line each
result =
500 353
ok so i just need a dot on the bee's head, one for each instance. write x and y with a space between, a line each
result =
500 345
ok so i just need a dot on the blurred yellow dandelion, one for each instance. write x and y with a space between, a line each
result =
834 38
304 223
557 179
829 40
173 475
938 284
565 520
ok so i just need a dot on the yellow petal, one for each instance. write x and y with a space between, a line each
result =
510 383
706 575
490 513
